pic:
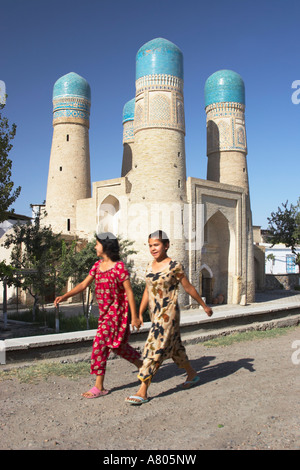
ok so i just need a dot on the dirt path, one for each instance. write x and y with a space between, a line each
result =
248 398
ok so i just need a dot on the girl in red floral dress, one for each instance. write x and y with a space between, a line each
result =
113 293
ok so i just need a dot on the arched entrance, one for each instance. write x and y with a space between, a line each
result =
108 215
220 254
206 282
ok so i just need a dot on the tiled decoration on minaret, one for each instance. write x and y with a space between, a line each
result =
71 99
159 86
225 108
128 121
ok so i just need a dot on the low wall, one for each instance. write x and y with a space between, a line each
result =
282 281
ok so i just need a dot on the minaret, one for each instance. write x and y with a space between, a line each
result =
226 152
226 133
128 138
69 170
158 175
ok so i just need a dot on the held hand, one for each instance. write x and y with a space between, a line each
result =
136 323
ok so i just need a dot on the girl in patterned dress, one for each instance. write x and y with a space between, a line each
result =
163 276
113 293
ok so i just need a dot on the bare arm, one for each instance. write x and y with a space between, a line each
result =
143 304
190 289
135 322
76 290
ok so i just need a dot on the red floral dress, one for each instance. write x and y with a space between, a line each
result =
113 325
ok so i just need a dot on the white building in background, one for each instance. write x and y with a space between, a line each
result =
280 259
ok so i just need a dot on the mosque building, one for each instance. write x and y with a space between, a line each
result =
209 222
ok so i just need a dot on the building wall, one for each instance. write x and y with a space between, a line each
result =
280 264
282 281
69 176
221 244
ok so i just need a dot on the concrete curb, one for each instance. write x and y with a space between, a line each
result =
195 327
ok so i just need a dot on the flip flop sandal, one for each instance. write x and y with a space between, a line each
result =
95 393
132 400
191 383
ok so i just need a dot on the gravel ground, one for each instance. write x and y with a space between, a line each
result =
248 398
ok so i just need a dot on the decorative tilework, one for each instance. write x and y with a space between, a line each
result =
128 135
72 103
128 110
159 81
224 86
160 109
240 134
180 113
226 127
71 98
139 115
73 85
67 107
159 56
70 113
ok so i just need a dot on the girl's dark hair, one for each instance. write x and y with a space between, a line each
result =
110 245
160 235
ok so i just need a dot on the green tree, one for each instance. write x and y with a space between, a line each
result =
284 227
297 221
36 251
7 194
78 258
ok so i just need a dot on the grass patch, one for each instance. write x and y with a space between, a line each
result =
250 335
43 371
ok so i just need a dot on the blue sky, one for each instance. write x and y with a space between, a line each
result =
42 40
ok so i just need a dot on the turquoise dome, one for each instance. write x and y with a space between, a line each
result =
224 86
128 111
72 84
159 56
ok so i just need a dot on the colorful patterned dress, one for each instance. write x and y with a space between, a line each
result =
113 324
164 339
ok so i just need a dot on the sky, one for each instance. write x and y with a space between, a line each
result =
42 40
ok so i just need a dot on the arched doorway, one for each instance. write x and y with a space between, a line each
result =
220 253
109 215
206 282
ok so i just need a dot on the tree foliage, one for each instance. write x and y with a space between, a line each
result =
77 260
7 194
284 227
42 263
36 251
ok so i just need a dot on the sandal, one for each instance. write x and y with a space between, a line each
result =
135 400
95 393
190 383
